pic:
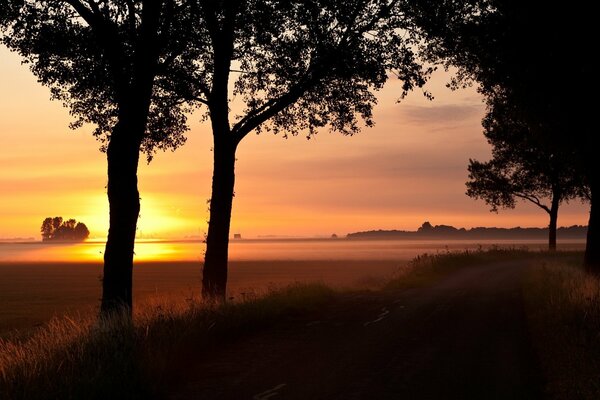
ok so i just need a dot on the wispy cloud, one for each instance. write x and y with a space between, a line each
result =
439 114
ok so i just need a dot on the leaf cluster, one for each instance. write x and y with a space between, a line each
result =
532 54
522 166
297 66
91 55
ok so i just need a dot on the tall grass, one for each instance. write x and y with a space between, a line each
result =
84 359
564 309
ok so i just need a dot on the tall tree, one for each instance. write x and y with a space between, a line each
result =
522 167
292 66
535 55
125 67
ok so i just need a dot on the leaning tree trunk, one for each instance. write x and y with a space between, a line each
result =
553 222
592 246
214 279
124 205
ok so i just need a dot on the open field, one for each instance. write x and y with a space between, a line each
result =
38 281
31 293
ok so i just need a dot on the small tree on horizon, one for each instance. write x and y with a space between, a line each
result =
295 67
57 229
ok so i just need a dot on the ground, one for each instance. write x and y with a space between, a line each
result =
464 337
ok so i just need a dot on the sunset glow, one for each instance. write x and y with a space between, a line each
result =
408 169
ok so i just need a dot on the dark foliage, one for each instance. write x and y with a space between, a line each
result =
535 57
523 167
294 67
69 230
87 53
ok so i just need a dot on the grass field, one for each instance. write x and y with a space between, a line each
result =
32 293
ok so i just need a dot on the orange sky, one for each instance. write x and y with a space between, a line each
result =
410 168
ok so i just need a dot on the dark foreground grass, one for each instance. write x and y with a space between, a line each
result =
81 359
564 311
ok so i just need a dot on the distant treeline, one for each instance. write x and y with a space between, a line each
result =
428 231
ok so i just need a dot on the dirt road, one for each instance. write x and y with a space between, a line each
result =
464 337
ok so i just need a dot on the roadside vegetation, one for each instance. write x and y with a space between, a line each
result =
427 268
82 359
72 358
563 304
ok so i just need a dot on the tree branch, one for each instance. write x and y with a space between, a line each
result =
533 199
84 12
270 108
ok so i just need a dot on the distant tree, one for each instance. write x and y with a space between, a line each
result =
522 167
295 66
47 229
56 222
56 229
425 227
536 56
124 66
81 230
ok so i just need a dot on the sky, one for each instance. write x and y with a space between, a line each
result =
410 168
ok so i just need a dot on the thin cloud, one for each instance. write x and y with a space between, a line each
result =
439 114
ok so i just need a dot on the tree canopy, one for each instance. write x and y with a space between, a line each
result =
58 229
298 66
88 53
522 166
535 56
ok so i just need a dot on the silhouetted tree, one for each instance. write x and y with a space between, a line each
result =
294 66
522 167
47 229
81 230
123 66
536 56
56 229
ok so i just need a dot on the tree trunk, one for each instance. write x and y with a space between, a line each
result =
124 205
214 279
553 222
592 247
